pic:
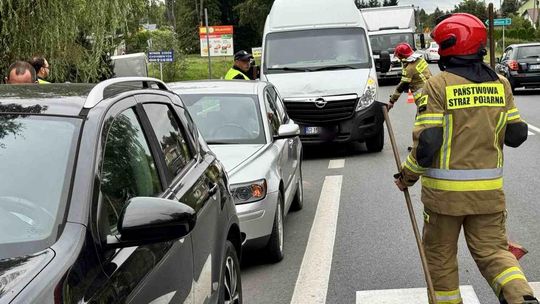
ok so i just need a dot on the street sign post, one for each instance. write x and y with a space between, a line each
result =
161 56
504 22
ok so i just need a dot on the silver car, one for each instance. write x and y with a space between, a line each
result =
247 127
432 52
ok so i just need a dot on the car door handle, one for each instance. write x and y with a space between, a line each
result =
213 189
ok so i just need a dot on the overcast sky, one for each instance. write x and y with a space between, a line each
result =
430 5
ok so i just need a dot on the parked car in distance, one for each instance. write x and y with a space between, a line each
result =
109 195
520 63
245 124
431 54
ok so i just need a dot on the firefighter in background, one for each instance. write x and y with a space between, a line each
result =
414 75
469 114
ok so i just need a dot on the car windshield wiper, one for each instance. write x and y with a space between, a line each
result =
300 69
532 56
334 67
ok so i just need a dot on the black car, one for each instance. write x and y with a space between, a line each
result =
109 195
520 63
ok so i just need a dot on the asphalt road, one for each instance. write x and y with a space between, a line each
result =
374 246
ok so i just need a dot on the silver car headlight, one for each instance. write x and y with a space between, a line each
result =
249 192
369 95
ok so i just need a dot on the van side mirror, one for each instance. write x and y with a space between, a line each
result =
422 41
385 61
148 220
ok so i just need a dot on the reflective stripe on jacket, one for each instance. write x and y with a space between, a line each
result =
458 144
414 76
233 73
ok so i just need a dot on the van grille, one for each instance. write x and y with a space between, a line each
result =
308 113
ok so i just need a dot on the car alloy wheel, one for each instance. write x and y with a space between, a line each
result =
231 290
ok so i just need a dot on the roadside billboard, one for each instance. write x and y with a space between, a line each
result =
221 40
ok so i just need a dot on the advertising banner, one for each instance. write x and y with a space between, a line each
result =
221 40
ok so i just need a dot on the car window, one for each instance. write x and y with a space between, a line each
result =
172 139
227 118
279 105
272 112
128 169
36 161
434 45
526 52
508 54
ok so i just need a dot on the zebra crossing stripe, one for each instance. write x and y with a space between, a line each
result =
409 296
419 295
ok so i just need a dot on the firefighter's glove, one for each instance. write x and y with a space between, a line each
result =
399 181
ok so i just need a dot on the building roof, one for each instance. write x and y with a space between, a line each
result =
532 14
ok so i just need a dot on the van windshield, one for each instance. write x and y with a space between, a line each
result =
316 50
388 42
36 160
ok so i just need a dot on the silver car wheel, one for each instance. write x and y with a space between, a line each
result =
232 295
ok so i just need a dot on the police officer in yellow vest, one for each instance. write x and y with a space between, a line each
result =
459 136
414 75
242 63
42 68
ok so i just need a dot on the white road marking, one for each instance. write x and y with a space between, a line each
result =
536 129
336 164
536 288
312 282
530 133
409 296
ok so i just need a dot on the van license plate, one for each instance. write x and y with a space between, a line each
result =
534 67
312 130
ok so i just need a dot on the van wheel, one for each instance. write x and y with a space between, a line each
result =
298 202
274 248
231 283
376 143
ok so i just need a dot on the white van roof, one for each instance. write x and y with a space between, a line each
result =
389 18
302 14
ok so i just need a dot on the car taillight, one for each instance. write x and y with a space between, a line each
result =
513 65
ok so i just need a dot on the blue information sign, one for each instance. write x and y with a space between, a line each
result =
161 56
500 22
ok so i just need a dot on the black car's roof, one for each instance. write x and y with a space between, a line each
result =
54 99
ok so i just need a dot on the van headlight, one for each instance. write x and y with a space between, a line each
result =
249 192
369 95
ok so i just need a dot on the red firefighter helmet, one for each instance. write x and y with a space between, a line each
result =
460 34
403 50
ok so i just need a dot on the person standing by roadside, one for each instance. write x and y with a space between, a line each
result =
21 72
41 65
469 115
242 64
415 73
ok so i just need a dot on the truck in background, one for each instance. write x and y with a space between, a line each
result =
387 26
321 61
130 65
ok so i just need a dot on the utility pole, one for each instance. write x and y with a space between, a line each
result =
491 36
208 43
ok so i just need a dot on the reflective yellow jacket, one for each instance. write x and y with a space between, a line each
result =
458 139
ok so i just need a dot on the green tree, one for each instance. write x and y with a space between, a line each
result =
75 36
509 7
374 3
475 7
361 4
432 20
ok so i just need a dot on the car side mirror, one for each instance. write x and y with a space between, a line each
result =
288 131
385 61
148 220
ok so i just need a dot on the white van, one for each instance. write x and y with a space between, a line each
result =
317 53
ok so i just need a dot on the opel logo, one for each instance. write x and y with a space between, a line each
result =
320 103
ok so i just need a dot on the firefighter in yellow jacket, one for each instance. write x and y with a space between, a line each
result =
415 73
468 116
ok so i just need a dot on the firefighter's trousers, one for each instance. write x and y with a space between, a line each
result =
486 238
